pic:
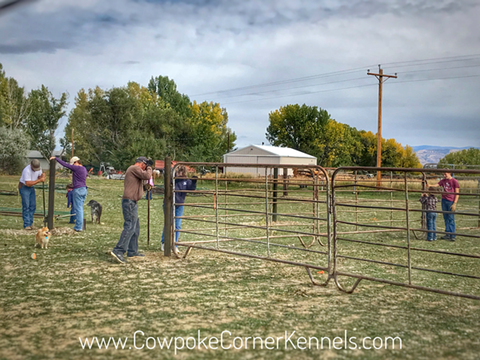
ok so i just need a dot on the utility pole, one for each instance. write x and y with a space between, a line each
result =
72 142
381 79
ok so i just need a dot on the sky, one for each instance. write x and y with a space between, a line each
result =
252 57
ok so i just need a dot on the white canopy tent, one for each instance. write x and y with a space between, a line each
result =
261 154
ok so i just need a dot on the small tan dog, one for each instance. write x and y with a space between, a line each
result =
42 237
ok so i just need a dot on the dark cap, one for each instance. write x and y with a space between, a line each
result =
35 165
142 159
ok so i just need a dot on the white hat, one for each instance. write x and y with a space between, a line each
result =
73 160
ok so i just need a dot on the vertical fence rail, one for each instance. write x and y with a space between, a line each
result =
407 219
380 248
450 265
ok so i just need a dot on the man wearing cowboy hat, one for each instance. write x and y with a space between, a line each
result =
31 175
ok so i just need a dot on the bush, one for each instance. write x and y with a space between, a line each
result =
14 145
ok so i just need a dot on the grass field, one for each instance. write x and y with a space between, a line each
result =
73 290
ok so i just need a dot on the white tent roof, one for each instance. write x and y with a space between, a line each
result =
277 151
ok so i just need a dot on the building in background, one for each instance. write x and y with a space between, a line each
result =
44 164
261 154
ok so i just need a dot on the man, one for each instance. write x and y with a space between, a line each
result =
132 192
31 175
449 203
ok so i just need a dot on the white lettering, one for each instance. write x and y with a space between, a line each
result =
221 339
135 339
288 340
335 341
200 342
176 346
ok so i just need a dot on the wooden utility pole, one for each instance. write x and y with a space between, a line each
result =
381 79
72 142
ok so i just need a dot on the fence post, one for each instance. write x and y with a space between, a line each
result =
167 207
274 195
391 198
408 231
285 182
266 211
216 206
51 193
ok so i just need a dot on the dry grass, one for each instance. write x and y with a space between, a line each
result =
74 290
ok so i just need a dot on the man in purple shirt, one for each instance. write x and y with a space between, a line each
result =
449 203
79 176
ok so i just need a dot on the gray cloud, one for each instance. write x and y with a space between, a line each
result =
210 46
33 46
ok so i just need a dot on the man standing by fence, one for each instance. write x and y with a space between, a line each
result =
449 203
132 192
31 175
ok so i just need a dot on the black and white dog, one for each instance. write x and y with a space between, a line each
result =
96 209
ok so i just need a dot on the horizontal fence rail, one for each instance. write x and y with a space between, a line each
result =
272 217
338 222
380 231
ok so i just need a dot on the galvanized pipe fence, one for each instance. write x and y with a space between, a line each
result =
340 226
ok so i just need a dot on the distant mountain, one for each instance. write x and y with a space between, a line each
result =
433 154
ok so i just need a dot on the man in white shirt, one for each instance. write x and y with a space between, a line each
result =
31 175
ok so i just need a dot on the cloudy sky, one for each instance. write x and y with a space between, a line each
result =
254 56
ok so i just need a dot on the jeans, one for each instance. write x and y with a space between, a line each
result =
148 195
73 217
449 218
431 219
29 204
178 222
79 196
131 229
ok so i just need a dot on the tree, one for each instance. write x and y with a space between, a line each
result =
461 158
14 105
13 149
42 122
311 130
209 133
393 153
297 127
338 145
167 90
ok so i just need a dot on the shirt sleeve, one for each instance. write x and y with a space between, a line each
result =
142 174
192 184
65 164
456 185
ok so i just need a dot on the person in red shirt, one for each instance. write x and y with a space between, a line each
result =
449 203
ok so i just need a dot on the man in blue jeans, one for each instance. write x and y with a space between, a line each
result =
449 203
31 175
132 192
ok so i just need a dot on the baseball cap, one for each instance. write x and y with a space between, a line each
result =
74 159
35 164
141 159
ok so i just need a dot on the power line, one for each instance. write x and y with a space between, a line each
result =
398 64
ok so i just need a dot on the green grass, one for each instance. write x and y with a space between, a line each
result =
74 290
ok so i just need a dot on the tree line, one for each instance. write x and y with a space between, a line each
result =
111 125
119 124
27 121
312 130
116 125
